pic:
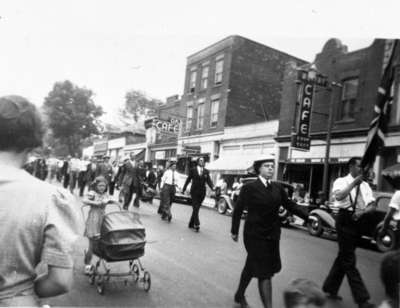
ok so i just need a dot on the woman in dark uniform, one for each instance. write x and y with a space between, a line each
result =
261 235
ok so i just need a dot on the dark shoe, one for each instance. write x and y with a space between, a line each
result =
190 226
196 228
241 301
334 297
366 305
169 218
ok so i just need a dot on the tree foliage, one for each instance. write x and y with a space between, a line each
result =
139 104
71 115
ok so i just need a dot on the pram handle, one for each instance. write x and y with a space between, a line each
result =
111 202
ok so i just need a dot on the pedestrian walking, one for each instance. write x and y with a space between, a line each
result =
160 173
38 221
74 169
82 175
65 171
97 199
355 201
168 190
393 213
90 173
199 176
129 181
105 169
114 176
262 199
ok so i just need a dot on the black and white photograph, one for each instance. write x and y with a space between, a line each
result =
200 154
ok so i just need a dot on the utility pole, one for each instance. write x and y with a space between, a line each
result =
325 182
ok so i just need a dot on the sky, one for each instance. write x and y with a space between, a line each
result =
114 46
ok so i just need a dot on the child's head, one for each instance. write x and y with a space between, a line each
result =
390 274
100 185
303 293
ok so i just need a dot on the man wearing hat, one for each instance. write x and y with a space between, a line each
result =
128 180
262 230
168 190
199 176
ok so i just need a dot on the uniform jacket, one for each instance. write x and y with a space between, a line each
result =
262 204
106 170
198 181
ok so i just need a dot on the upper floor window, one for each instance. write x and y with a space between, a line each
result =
395 93
349 97
219 69
200 115
192 80
189 116
204 77
214 112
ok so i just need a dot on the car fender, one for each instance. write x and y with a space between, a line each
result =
325 217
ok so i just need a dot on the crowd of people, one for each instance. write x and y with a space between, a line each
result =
41 224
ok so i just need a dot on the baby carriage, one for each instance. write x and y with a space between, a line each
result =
122 238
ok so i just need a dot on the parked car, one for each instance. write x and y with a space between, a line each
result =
323 220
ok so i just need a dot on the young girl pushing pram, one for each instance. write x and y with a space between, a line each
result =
97 199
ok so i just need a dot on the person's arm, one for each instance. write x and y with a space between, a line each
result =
343 193
292 206
209 182
57 281
188 179
238 211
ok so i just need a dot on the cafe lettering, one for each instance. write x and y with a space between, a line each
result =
301 139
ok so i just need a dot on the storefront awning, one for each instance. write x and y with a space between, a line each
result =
235 164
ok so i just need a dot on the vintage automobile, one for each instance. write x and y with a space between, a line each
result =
323 220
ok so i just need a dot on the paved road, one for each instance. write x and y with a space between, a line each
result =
202 269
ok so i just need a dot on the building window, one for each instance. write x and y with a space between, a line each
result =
189 117
219 69
214 112
200 116
192 80
349 96
204 77
395 109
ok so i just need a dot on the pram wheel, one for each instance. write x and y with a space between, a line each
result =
100 284
135 272
146 281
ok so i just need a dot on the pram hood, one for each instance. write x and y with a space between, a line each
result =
121 228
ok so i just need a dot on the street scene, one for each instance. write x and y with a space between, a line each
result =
221 155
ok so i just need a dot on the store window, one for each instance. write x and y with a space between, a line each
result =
214 112
348 101
219 69
204 77
200 116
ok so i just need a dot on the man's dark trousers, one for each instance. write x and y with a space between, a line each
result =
345 264
197 200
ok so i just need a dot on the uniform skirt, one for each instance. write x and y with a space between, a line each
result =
263 257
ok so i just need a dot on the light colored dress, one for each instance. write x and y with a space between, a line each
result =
95 215
38 224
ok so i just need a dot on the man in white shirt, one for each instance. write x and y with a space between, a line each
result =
354 198
168 190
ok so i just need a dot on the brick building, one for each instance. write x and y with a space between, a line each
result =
359 72
162 143
233 82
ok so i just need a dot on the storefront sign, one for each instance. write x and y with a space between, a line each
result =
160 155
164 126
301 139
195 149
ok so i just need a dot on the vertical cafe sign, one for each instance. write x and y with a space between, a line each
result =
301 138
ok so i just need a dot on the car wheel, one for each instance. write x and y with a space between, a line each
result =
314 225
222 206
386 242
